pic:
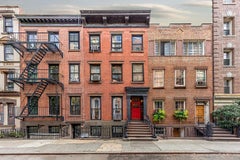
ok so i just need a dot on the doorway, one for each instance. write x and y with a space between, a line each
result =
76 130
136 108
200 114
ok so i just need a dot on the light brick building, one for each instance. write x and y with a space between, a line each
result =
180 75
226 46
9 64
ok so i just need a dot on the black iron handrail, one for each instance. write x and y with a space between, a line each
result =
151 126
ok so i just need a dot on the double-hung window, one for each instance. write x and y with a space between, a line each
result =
54 105
10 84
191 48
179 78
228 26
95 102
117 107
94 45
228 85
95 72
54 37
158 104
32 40
137 43
201 80
228 57
8 24
74 41
158 78
137 72
33 105
74 105
180 105
74 73
116 72
8 53
116 42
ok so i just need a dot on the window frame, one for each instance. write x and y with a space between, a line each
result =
9 86
116 42
157 79
228 26
193 48
54 110
117 109
97 75
136 73
201 81
6 24
159 48
94 45
98 130
228 85
184 78
117 77
228 57
8 50
53 71
97 109
182 107
70 40
32 40
156 104
54 38
75 109
117 131
136 44
74 73
35 107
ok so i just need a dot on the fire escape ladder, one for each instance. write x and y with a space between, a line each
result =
37 93
53 48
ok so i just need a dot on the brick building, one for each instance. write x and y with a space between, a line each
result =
180 75
226 46
81 74
9 63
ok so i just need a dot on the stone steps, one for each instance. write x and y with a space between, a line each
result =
220 134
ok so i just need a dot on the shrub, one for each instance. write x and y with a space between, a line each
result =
181 115
159 115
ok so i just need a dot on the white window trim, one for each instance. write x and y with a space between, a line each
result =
184 79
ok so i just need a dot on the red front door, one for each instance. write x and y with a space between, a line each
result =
136 108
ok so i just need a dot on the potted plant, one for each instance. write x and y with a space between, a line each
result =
159 115
181 115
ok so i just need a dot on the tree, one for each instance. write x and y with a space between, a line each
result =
228 116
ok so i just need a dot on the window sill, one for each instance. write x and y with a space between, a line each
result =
74 50
179 87
229 36
94 51
225 66
95 82
229 3
120 82
201 87
75 115
116 52
137 82
158 87
74 82
137 52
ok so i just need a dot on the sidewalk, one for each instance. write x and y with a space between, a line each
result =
70 146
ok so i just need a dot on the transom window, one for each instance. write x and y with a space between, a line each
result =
95 102
94 45
137 72
74 41
201 79
74 73
158 78
180 105
137 43
180 78
8 24
116 72
8 53
116 42
95 72
191 48
74 105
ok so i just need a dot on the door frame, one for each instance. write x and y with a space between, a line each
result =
140 108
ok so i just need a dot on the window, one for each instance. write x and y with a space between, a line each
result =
96 131
158 104
164 48
54 108
179 78
8 53
137 72
137 43
201 79
74 41
228 1
117 108
32 129
32 73
228 57
54 37
74 73
159 131
193 48
8 24
31 40
95 74
116 42
74 105
95 107
116 72
117 131
95 43
180 105
228 26
54 71
10 84
33 105
158 78
53 129
228 85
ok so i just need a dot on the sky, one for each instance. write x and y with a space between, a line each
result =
163 12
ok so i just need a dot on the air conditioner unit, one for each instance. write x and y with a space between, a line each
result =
201 83
96 78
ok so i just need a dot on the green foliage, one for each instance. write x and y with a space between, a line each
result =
1 135
159 115
228 116
181 115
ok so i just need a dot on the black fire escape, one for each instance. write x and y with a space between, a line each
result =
29 75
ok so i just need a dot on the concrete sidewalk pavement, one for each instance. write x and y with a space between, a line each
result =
70 146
